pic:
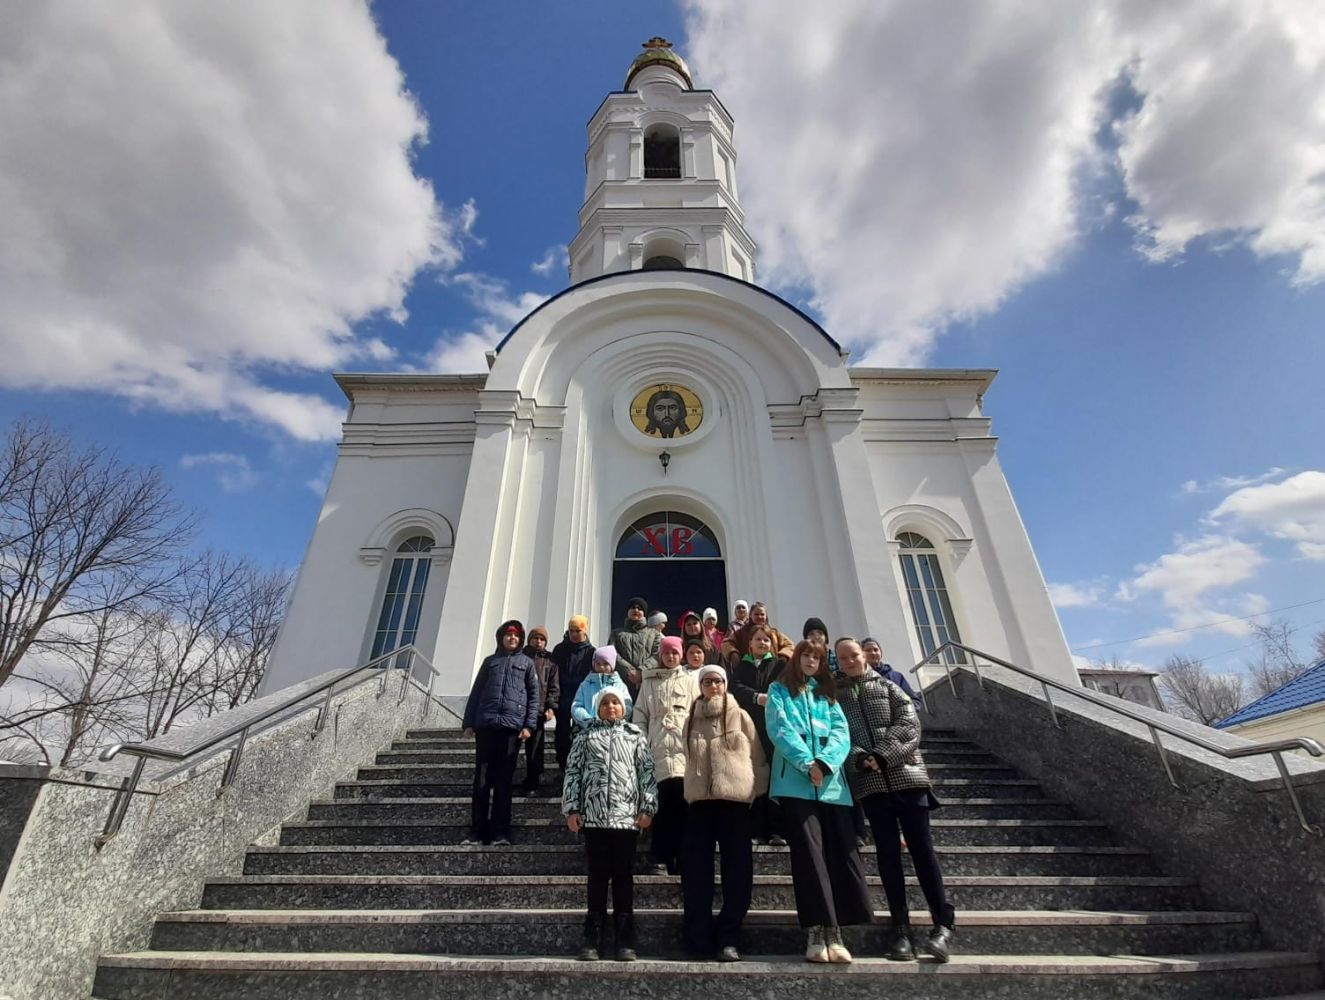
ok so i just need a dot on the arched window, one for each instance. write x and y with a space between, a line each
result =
662 262
662 152
927 595
398 622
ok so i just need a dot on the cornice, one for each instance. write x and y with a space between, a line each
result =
357 384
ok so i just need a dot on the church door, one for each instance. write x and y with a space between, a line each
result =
673 561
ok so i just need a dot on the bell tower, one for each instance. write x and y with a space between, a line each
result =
660 184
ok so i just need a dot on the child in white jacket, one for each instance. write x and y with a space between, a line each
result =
661 710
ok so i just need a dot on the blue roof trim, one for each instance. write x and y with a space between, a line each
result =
1306 689
691 270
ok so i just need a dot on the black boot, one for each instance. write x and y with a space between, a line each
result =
939 942
897 944
625 937
594 924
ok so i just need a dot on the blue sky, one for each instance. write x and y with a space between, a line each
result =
1136 240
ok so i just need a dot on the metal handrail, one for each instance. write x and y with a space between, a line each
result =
1276 748
240 732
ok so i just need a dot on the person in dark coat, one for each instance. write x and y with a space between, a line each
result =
888 776
751 677
501 713
574 659
636 644
545 669
874 658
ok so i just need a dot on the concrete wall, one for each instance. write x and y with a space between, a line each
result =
63 903
1229 825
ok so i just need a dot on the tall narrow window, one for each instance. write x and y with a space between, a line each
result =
662 152
398 623
927 594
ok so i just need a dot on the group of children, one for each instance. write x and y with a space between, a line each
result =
788 750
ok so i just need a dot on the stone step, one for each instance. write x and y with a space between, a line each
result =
568 859
769 932
462 771
458 784
433 809
450 825
370 976
464 754
411 735
989 892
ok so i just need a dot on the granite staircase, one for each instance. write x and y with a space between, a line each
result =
373 896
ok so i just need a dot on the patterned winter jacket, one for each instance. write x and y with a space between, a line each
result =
661 710
609 776
884 725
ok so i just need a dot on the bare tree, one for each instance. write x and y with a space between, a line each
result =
68 520
1319 642
1279 661
1197 694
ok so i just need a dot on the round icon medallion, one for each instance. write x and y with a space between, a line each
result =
666 410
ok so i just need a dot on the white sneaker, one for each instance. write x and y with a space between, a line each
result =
837 951
816 950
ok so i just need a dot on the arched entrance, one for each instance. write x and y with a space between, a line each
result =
674 562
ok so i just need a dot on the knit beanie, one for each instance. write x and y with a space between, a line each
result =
711 668
709 613
638 602
657 618
537 630
669 642
579 622
742 604
607 654
607 692
811 624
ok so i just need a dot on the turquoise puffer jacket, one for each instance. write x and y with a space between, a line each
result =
582 708
804 729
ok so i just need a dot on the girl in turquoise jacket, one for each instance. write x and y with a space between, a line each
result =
811 742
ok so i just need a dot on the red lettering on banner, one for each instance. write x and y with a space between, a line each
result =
654 539
681 542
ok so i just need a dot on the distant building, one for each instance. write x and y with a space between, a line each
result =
1130 685
1295 709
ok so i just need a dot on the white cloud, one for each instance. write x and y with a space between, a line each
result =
1074 595
498 311
196 196
1222 484
913 165
1293 510
557 258
1184 580
233 472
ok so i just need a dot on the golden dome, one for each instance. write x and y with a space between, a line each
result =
658 51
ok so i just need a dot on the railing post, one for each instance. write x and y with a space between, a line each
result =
1053 711
427 696
120 804
323 712
232 763
1292 794
1163 756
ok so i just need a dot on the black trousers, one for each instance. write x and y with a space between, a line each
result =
669 822
766 819
495 754
725 825
533 755
562 738
826 871
610 855
886 817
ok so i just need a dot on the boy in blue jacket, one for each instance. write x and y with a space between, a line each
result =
501 713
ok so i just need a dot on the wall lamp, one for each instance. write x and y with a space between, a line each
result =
665 459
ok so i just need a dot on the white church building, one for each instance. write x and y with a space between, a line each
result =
665 428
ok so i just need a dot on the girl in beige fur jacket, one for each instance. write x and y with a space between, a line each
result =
725 770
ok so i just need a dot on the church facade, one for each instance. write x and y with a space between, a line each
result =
665 428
